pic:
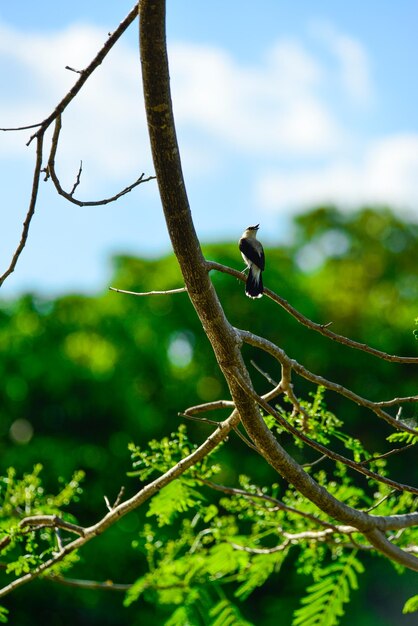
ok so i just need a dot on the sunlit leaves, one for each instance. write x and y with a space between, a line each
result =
324 603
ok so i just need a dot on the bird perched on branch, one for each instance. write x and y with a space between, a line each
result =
253 254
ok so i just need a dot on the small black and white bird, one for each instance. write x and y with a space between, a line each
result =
253 254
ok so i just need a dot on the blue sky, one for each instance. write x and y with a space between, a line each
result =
279 105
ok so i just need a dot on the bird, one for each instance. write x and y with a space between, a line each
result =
253 254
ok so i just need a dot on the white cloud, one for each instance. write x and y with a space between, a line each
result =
386 174
354 70
270 108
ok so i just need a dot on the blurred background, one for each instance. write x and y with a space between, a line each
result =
300 117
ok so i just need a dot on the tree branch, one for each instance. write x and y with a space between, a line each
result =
129 505
168 292
225 340
51 172
31 210
281 356
50 521
319 328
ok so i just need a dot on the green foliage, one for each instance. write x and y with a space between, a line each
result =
403 437
227 614
82 376
411 605
325 599
322 425
24 497
241 540
177 497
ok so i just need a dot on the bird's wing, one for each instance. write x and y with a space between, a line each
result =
254 253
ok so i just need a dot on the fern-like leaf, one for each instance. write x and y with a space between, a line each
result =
227 614
176 497
324 603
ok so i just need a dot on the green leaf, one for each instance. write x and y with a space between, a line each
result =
324 603
258 571
176 497
411 605
227 614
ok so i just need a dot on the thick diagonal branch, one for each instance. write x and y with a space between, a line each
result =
225 340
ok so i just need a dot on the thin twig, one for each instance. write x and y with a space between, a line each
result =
71 69
16 128
388 495
31 210
209 406
262 496
77 180
50 521
386 454
396 401
44 125
51 172
167 292
204 420
263 373
279 548
319 460
107 585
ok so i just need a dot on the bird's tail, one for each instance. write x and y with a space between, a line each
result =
254 284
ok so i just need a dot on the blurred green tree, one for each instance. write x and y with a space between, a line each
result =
84 376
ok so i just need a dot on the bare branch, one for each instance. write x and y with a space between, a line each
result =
117 501
263 373
396 401
50 521
201 420
323 449
209 406
31 210
107 585
269 499
386 454
44 125
168 292
281 356
320 328
279 548
16 128
379 502
316 462
71 69
77 180
51 172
